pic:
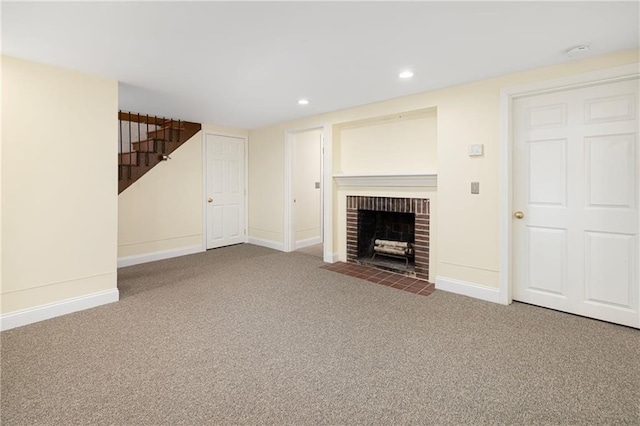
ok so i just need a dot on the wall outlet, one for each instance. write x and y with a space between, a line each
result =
317 185
475 187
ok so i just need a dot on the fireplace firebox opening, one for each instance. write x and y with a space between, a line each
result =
386 239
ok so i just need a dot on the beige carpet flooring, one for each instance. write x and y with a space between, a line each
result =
247 335
313 250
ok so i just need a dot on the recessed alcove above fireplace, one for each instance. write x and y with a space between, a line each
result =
390 233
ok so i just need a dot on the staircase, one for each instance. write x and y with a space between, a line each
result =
145 141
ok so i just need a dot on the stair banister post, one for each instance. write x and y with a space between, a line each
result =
130 155
139 139
164 135
147 137
120 156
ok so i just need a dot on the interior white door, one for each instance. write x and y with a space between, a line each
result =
576 183
225 190
306 188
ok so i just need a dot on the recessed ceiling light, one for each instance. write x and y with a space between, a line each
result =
303 101
406 74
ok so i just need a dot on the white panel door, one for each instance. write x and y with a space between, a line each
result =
576 179
225 190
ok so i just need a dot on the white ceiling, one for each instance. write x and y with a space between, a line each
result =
246 64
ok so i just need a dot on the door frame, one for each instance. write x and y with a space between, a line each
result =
326 189
507 96
205 221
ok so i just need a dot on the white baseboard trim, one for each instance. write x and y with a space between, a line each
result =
56 309
330 258
266 243
335 257
308 242
465 288
158 255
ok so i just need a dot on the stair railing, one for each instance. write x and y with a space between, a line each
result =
162 134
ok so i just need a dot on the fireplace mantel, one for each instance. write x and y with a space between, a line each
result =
388 180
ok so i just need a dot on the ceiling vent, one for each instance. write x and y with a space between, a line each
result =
578 51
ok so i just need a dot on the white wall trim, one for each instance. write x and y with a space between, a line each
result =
288 190
327 203
607 75
308 242
506 179
334 258
52 310
246 188
204 191
465 288
158 255
507 95
266 243
391 180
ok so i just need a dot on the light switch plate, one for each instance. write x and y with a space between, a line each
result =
475 187
317 185
476 150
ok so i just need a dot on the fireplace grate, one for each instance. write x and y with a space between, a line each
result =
395 249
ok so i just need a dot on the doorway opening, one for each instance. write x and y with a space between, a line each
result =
305 206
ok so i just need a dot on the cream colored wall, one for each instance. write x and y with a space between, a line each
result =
391 146
1 138
163 210
467 225
266 184
59 184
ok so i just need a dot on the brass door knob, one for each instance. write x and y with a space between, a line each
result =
210 200
518 215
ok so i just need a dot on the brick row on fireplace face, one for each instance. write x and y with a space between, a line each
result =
422 273
392 204
419 206
422 257
422 219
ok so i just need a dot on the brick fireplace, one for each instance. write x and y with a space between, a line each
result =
401 219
